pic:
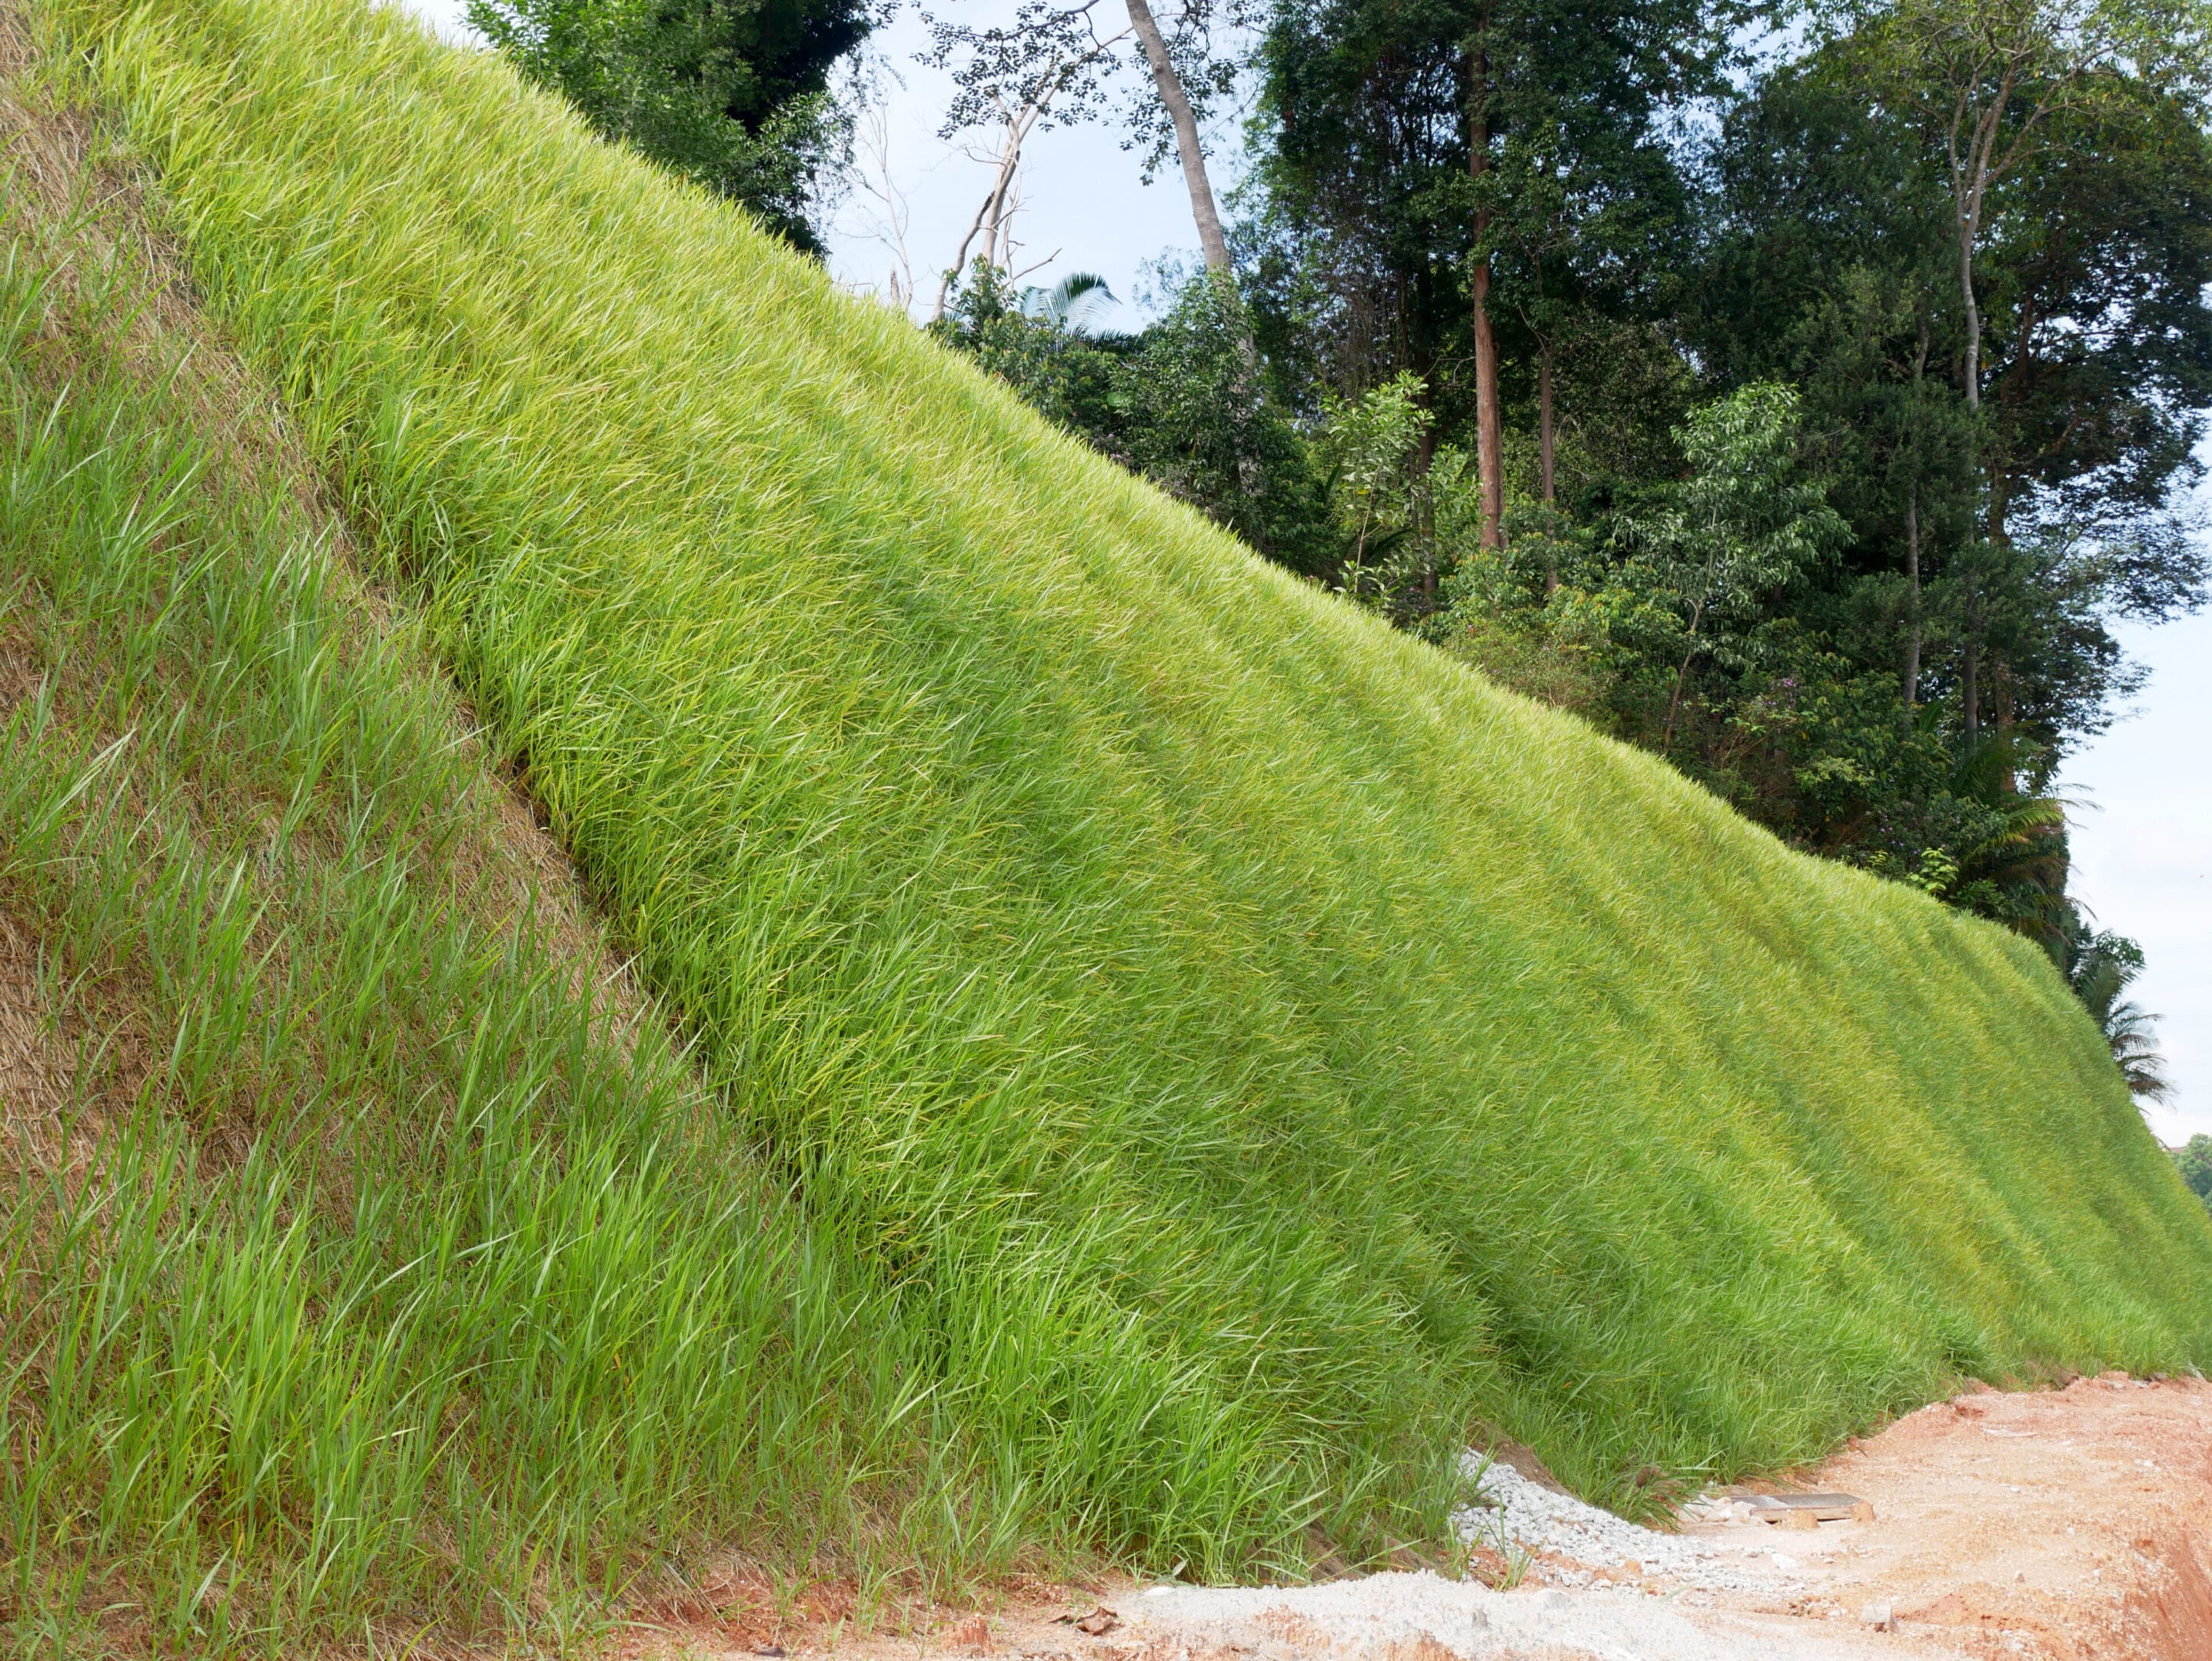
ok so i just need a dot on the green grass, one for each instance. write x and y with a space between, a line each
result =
373 1267
1252 1051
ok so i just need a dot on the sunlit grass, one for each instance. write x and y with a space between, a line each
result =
378 1269
1254 1050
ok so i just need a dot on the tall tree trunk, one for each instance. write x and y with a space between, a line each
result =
1170 85
1489 432
1970 183
1544 450
2012 391
1914 625
1545 453
1970 691
1973 169
2000 676
1912 596
1489 429
1966 233
1425 522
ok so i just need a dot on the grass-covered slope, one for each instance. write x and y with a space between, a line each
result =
369 1260
1256 1049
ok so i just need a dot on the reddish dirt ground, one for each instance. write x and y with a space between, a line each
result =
2070 1524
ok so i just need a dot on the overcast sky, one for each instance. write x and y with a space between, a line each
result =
2143 851
2143 819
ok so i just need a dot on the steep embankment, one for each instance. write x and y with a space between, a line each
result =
1254 1048
369 1260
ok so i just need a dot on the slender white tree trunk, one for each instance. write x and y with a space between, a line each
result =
1169 86
1967 237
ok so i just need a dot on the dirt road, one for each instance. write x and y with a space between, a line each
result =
2070 1524
2057 1525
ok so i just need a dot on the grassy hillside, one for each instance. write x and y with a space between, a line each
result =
1251 1049
368 1254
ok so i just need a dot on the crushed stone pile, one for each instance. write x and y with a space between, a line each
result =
1520 1513
1413 1617
1596 1586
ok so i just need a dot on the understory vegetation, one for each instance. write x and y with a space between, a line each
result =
1166 1056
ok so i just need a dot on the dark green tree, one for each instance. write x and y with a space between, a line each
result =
1989 547
732 94
1745 525
2194 1160
1449 181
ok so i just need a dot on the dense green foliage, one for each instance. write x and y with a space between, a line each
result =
2194 1162
1996 520
734 94
1251 1049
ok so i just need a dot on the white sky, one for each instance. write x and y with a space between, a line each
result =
2142 853
2143 825
1085 204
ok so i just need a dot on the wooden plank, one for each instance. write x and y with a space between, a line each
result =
1825 1507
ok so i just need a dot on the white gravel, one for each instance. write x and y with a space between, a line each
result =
1398 1617
1545 1525
1596 1588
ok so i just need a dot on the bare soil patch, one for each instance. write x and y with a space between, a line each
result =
2070 1524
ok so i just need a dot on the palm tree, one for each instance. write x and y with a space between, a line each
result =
1070 303
2128 1030
2099 966
2015 872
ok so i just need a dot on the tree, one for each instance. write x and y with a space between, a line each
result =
1989 547
1825 264
1990 80
1363 229
2100 263
1168 84
732 94
1199 422
1053 50
2099 967
1745 523
1070 303
2194 1161
1569 163
1178 403
1431 160
1369 445
1045 71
